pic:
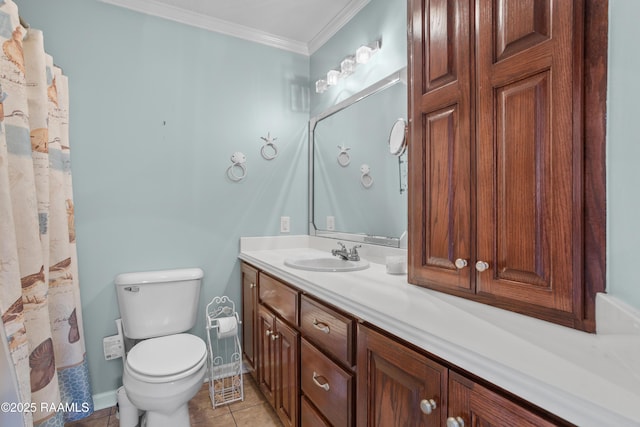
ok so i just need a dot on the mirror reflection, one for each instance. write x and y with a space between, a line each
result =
357 184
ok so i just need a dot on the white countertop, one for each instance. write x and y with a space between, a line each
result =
587 379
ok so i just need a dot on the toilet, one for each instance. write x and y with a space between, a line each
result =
164 370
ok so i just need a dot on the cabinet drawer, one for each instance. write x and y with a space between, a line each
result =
328 329
309 416
326 385
279 297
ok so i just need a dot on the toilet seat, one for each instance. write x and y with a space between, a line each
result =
166 359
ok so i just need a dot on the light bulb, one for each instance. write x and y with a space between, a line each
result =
332 77
363 54
347 66
321 86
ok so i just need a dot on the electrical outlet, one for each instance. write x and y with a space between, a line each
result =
331 223
285 224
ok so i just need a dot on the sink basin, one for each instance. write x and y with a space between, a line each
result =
326 264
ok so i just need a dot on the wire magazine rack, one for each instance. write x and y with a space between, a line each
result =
225 354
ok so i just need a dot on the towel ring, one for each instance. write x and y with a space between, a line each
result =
238 162
273 148
365 179
269 145
343 157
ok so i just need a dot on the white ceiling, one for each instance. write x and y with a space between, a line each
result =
300 26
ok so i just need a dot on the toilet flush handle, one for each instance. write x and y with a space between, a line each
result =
132 289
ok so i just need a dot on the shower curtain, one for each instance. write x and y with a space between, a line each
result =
39 291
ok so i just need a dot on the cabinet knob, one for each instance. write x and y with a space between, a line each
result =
253 285
455 422
323 385
274 337
461 263
268 332
321 326
482 266
427 406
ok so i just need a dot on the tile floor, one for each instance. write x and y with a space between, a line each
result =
253 411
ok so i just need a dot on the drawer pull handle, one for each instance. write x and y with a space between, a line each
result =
427 406
455 422
321 326
324 386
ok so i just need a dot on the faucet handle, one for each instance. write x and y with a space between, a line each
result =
342 245
353 253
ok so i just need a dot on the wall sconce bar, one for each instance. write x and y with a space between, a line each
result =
348 66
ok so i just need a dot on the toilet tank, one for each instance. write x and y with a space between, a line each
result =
158 303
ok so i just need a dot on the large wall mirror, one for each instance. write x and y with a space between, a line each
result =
357 180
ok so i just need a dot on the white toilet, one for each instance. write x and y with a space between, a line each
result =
165 370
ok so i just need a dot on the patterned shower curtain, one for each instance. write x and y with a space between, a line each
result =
39 291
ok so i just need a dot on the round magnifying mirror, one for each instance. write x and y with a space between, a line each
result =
397 138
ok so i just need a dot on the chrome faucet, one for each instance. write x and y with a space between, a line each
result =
345 254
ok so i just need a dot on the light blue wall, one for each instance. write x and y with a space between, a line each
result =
157 109
380 19
623 152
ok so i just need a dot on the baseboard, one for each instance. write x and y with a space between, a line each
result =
105 400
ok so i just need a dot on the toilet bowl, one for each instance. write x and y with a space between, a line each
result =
162 374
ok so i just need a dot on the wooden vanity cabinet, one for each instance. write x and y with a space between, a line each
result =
497 155
279 349
398 386
471 404
250 317
319 367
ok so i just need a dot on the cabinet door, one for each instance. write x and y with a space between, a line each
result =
441 142
397 386
529 151
473 405
249 316
266 354
287 404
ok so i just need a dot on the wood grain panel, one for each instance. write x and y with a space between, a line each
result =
439 155
267 355
523 173
288 372
309 416
440 44
328 329
520 24
393 380
279 297
526 139
336 403
479 406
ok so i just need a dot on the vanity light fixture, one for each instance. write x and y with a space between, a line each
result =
348 66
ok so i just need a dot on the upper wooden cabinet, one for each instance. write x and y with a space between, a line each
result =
497 154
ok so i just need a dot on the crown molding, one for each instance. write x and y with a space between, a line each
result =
336 24
183 16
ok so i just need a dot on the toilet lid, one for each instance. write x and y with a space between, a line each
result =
164 356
